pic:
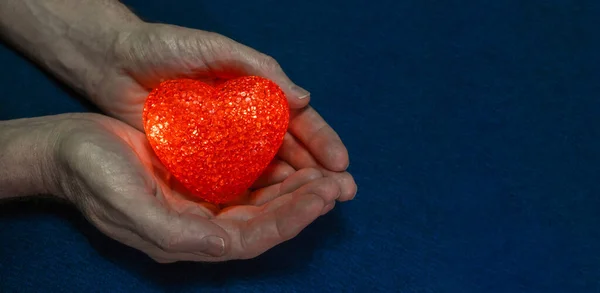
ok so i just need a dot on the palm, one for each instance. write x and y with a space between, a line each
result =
165 222
155 53
266 188
149 210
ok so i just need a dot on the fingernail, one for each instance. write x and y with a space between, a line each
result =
299 92
215 245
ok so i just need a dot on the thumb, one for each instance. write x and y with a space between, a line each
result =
249 61
180 232
267 67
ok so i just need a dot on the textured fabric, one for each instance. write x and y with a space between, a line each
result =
473 132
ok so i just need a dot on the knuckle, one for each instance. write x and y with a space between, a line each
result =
313 173
164 231
215 36
76 141
215 43
270 63
168 243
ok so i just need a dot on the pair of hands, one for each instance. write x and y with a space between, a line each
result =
107 169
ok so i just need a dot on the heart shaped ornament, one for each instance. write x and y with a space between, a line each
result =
216 140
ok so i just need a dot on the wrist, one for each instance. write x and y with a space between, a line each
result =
27 160
31 158
72 39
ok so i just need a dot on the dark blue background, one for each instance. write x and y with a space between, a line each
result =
474 137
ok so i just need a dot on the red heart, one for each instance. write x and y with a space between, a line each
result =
216 140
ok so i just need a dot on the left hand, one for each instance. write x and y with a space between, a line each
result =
108 170
147 54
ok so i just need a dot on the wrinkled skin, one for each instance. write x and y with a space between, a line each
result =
107 169
104 165
147 54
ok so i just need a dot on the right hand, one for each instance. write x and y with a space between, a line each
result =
108 170
146 54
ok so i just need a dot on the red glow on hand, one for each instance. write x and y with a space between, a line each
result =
216 140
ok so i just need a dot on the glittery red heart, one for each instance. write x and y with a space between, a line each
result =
216 140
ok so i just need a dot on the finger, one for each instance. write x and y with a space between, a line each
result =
297 97
276 172
135 95
177 197
267 194
260 228
299 179
247 212
267 67
239 213
319 138
243 60
174 232
325 187
346 183
182 205
241 200
269 186
283 218
292 183
247 208
132 239
165 257
259 234
295 154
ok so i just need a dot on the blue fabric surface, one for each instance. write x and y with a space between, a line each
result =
473 132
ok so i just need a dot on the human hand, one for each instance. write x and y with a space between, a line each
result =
146 54
108 54
107 169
